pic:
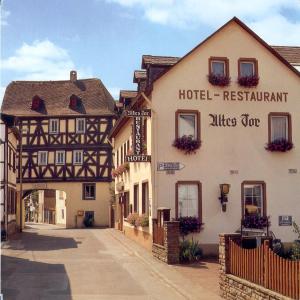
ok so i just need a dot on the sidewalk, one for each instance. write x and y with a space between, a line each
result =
194 281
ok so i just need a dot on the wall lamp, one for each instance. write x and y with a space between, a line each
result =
224 189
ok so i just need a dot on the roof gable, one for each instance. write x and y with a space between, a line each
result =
272 50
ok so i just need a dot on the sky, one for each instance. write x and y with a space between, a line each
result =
45 39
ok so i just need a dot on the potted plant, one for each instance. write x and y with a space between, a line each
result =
219 80
248 81
131 219
142 221
282 145
187 144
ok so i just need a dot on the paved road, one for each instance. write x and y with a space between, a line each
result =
48 262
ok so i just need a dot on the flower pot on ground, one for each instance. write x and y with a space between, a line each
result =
279 146
132 217
219 80
187 144
190 251
142 221
248 81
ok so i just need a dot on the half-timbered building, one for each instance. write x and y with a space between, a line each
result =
64 127
8 168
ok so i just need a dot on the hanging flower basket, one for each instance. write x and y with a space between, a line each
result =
187 144
120 170
248 81
279 146
219 80
255 222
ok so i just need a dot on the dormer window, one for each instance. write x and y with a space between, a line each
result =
74 101
36 102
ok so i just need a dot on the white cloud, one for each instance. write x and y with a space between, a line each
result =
265 17
4 16
41 60
114 91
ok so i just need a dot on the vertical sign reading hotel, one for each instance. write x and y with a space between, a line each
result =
137 135
138 138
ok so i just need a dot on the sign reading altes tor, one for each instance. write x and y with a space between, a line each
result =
137 137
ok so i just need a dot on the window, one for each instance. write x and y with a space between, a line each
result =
219 66
126 204
136 198
280 127
145 198
253 198
188 199
42 158
53 126
80 125
247 67
188 124
77 157
89 191
60 157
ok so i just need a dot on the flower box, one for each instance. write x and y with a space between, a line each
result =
187 144
279 146
219 80
248 81
255 222
120 170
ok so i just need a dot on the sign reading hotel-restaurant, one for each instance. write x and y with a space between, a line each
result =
138 139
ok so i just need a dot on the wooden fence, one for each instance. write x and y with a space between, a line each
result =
262 266
158 233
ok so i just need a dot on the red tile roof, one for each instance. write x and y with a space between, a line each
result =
290 53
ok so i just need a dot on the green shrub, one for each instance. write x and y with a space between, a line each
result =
142 220
190 251
295 251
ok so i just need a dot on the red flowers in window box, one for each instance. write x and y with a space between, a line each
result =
187 144
279 146
220 80
120 170
248 81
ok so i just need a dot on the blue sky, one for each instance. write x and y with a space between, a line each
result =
45 39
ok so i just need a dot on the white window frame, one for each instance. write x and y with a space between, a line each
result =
74 157
51 121
195 115
57 162
218 61
252 185
78 120
286 129
40 154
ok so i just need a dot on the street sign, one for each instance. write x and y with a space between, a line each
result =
285 220
169 166
138 158
138 113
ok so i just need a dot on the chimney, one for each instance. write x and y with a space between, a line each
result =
73 76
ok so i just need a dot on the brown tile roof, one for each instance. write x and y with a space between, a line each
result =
159 60
95 98
290 53
128 94
139 75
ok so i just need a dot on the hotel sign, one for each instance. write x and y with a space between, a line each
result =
137 136
238 96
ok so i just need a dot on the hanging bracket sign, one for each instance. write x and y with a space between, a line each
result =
137 136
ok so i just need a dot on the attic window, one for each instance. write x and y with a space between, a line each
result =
36 102
74 101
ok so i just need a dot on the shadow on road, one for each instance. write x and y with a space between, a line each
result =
33 241
23 279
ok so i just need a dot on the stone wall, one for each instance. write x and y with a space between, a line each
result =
232 287
169 252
